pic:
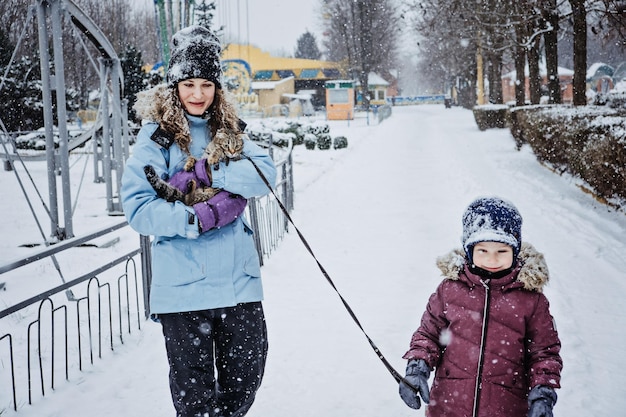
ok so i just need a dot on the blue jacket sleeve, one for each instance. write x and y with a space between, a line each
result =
145 212
240 177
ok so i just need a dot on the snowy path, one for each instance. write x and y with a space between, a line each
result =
377 215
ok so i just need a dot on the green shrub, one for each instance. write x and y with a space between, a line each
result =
294 128
310 141
589 142
490 116
340 142
324 141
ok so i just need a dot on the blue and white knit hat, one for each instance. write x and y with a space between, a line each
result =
491 219
195 54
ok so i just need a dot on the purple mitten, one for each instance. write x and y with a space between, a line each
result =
182 178
220 210
200 168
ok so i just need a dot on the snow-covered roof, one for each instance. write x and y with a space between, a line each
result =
268 85
593 68
542 71
374 79
299 96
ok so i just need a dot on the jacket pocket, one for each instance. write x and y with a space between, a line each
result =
250 256
176 262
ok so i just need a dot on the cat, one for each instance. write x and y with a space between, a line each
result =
226 146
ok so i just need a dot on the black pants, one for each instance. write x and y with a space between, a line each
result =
216 358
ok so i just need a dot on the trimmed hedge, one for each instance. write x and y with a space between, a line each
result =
588 142
490 116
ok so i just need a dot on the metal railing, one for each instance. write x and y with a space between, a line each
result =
55 332
52 344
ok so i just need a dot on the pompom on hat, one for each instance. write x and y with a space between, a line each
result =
491 219
195 54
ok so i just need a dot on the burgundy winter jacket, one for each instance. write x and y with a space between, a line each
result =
493 371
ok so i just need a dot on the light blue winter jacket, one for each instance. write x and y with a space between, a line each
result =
218 268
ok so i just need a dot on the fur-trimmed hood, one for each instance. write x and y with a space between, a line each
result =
533 272
150 104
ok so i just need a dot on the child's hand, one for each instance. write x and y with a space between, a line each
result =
417 373
541 400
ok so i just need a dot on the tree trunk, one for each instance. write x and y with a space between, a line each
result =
495 78
534 79
551 17
520 67
580 51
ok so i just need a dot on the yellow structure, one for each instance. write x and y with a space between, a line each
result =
271 96
265 82
264 66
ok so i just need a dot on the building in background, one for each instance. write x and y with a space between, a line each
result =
262 82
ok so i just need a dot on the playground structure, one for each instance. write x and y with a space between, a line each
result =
110 129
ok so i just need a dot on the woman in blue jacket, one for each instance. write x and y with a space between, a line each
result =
206 288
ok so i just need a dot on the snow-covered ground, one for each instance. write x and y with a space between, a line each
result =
377 214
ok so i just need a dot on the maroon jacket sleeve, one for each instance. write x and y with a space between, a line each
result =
425 341
543 347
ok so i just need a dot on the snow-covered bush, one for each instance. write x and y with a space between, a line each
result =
282 139
592 147
317 128
324 141
490 116
310 140
616 99
294 128
340 142
259 133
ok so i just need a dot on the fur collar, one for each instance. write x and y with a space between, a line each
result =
150 104
533 273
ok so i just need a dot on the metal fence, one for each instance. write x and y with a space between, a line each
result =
54 334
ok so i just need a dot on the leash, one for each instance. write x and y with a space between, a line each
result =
395 374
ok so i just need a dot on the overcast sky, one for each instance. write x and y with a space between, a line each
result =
273 25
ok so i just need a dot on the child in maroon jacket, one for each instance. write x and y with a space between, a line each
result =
487 330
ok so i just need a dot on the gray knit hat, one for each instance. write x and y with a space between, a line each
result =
195 54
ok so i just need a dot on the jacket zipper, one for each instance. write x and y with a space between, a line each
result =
481 354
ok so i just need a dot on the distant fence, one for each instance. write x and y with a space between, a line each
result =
383 112
412 100
51 335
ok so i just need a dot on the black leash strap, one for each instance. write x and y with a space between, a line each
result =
395 374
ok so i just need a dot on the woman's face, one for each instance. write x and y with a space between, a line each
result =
196 95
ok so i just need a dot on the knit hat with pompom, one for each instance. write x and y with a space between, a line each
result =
491 219
195 54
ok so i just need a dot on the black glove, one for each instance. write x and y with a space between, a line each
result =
541 399
417 373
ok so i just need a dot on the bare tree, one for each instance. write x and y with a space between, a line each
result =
13 14
362 34
448 45
503 32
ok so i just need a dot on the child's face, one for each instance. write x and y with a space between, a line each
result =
492 256
196 95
